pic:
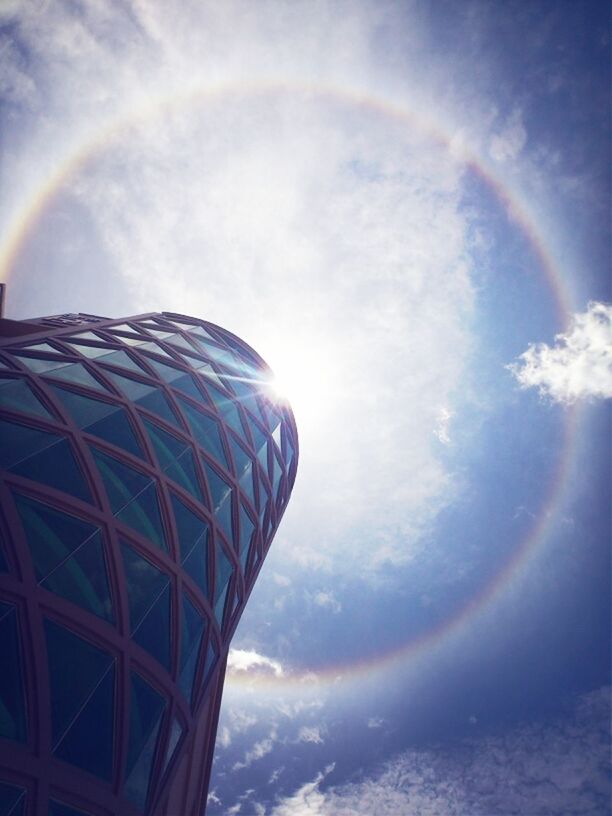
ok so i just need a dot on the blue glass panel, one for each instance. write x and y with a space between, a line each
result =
12 705
277 475
56 467
205 370
223 573
184 473
167 446
146 710
262 456
276 436
246 533
221 507
179 341
40 365
176 732
226 407
76 668
121 359
218 355
18 442
103 419
153 634
77 373
211 660
121 481
97 717
191 637
89 351
245 391
206 431
143 515
242 461
12 800
60 809
189 526
145 583
155 348
16 395
144 395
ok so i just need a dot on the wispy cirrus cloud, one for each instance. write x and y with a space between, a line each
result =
578 365
241 662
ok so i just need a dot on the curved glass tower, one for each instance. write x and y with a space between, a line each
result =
144 474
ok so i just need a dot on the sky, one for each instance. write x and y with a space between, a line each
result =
405 208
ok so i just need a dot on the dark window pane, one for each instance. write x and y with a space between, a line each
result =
190 527
16 395
146 710
40 365
18 442
121 481
145 395
153 634
211 660
117 429
143 515
83 579
223 574
167 446
12 800
56 467
12 705
196 564
77 747
221 506
176 733
191 637
184 473
144 582
157 403
76 668
59 809
226 408
246 533
51 534
206 431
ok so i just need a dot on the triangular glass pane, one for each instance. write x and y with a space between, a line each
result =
89 351
157 403
184 473
12 800
146 710
168 373
87 335
117 429
189 526
277 475
51 534
133 389
77 373
143 515
167 446
76 667
155 348
242 460
221 506
226 408
206 431
260 439
191 637
19 442
83 579
198 331
276 436
223 573
124 327
247 483
206 370
262 456
177 378
246 533
211 660
157 330
41 347
218 355
176 732
16 395
121 359
97 717
84 410
56 466
178 340
196 564
153 633
121 481
12 704
144 582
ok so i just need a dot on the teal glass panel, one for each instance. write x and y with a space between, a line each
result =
16 395
121 481
76 668
176 732
155 348
167 446
184 473
206 431
95 718
206 370
223 574
179 341
197 331
218 355
121 359
211 660
146 710
156 330
277 474
221 496
153 633
242 461
60 809
86 335
262 456
189 526
12 703
56 466
145 584
168 373
196 564
124 327
150 398
83 579
12 800
226 407
103 419
89 351
246 533
77 373
245 391
260 439
191 637
273 421
40 365
247 483
143 515
18 442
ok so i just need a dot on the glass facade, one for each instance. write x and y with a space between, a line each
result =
144 473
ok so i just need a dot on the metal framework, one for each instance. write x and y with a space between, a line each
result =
144 474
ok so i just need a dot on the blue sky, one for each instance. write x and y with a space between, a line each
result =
405 208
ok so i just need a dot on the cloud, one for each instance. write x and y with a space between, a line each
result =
259 750
375 722
510 140
325 599
558 766
242 662
310 733
578 366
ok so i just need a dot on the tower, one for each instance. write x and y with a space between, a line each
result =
144 474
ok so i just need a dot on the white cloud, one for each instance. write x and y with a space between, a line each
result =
510 139
249 662
441 431
544 767
579 365
310 733
325 599
259 750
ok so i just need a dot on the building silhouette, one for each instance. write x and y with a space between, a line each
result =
144 474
